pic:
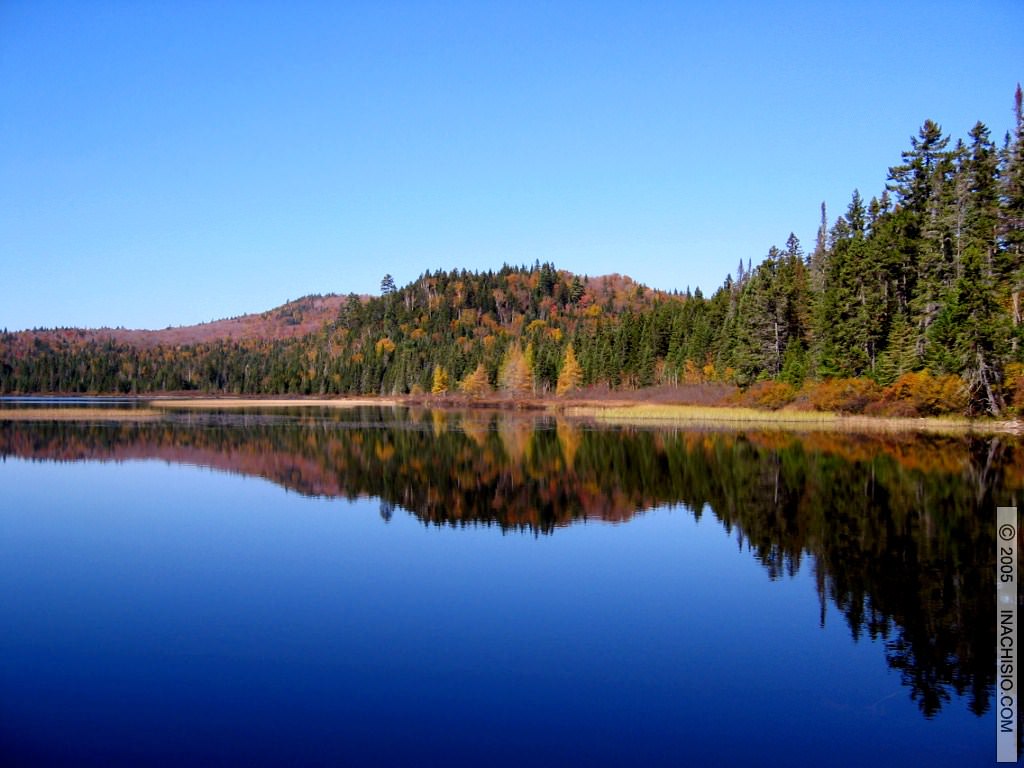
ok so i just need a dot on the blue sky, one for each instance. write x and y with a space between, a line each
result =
164 163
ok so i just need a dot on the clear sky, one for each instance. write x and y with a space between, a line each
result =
165 163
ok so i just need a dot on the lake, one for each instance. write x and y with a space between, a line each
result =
414 587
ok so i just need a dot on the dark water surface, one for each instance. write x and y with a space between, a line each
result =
415 588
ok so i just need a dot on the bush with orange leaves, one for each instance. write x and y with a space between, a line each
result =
840 395
768 394
926 394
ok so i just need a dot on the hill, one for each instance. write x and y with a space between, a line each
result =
288 321
910 303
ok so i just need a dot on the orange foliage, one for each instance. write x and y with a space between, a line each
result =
475 383
769 394
691 373
841 395
926 394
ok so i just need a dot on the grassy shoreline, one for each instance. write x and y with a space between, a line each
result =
80 414
611 411
734 417
204 403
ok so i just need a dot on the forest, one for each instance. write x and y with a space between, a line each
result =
908 303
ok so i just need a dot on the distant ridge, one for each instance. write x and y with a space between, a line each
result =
293 319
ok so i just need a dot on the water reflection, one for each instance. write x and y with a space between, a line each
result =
898 530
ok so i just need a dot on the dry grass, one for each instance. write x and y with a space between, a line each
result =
79 414
784 420
233 402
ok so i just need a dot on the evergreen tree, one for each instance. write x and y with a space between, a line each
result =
1011 223
978 327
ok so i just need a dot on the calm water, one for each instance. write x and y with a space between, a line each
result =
396 588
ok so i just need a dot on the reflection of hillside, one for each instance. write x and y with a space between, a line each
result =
897 528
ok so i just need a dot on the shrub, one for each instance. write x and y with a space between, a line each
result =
899 409
928 394
768 394
841 395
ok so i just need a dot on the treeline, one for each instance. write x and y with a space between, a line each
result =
911 299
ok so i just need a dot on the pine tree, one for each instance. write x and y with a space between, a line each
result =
576 290
979 201
920 188
1011 223
819 255
979 331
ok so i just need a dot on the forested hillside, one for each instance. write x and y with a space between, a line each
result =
911 299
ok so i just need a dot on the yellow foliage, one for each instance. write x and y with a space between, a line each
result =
571 375
516 375
476 383
569 438
440 383
385 345
692 374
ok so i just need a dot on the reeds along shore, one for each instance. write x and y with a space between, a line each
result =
786 420
79 414
610 412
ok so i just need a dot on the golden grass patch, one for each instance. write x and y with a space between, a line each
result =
783 419
79 414
232 402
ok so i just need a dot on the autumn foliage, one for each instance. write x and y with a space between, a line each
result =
771 395
840 395
925 394
476 384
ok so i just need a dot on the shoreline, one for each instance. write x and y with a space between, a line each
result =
786 421
274 402
80 414
617 412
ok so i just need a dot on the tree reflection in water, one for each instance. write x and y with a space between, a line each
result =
898 529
